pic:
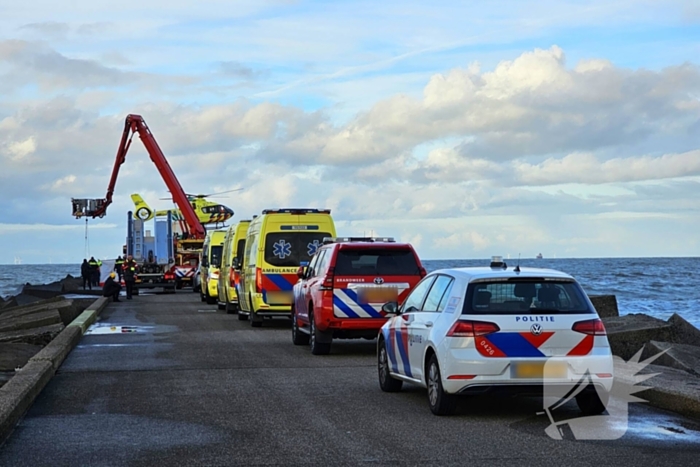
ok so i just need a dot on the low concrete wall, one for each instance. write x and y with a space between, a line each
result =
19 393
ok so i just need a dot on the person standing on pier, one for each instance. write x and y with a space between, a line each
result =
86 274
94 272
119 267
129 275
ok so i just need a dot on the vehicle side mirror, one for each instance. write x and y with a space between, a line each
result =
391 308
300 272
236 265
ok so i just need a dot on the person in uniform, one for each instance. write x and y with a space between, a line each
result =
94 271
119 267
130 269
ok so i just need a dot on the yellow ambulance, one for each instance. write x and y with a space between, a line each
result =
278 241
210 264
232 257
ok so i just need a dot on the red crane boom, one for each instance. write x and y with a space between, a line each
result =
98 207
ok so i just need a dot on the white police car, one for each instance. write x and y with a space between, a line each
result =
496 329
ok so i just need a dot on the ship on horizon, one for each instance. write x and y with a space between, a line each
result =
539 256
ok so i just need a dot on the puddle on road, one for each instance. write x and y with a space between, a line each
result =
101 329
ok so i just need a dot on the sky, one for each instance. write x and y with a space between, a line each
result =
469 129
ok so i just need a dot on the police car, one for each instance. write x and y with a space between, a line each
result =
496 330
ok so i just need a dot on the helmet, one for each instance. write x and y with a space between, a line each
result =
112 275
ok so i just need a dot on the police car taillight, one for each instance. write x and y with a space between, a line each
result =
593 327
472 329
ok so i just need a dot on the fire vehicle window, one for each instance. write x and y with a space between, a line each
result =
376 262
288 249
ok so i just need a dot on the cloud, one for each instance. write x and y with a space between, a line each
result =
6 229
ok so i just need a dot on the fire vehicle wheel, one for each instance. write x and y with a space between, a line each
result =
439 401
317 348
298 337
386 382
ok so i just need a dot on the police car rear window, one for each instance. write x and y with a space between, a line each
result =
287 249
376 262
526 297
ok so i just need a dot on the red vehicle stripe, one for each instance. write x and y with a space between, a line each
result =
537 341
584 347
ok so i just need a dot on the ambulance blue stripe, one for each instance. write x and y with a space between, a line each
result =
337 301
403 352
390 351
280 281
367 308
512 344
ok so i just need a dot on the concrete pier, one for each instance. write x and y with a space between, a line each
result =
165 380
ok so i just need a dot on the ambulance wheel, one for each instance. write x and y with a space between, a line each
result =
230 308
317 348
590 402
386 381
211 300
242 317
255 320
439 401
298 337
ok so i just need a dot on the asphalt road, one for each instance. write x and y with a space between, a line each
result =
190 385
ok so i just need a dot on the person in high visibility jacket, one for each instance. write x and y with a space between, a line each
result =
94 271
119 267
130 269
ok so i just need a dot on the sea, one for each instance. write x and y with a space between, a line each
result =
656 286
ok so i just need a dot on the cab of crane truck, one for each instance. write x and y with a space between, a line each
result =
231 259
277 243
210 264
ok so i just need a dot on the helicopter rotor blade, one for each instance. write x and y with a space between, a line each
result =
214 194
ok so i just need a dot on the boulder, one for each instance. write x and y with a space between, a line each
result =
71 284
16 355
9 302
43 291
33 320
683 332
605 305
628 334
42 305
39 336
24 299
680 356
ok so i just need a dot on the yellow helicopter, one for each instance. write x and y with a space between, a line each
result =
208 212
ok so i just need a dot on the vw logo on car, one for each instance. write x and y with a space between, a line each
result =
536 329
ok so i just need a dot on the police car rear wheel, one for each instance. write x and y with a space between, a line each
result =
317 348
591 403
439 401
386 382
298 337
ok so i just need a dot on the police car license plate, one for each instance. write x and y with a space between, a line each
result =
377 294
538 370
